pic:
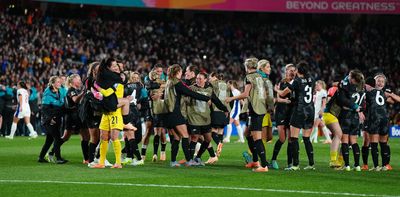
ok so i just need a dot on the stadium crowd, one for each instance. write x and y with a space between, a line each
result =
45 46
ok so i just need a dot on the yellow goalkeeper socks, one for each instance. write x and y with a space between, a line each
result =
103 151
334 155
117 151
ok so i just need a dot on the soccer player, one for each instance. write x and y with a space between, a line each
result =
320 98
283 112
199 118
189 79
23 111
218 118
350 121
52 112
92 117
116 109
234 115
341 98
133 88
377 117
174 91
73 123
264 69
303 114
256 94
155 84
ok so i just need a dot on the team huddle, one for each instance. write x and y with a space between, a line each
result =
193 109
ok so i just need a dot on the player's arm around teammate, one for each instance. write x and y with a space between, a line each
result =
302 115
254 90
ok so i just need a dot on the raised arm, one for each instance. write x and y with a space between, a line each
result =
245 94
185 90
218 103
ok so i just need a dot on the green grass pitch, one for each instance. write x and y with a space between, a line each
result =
22 175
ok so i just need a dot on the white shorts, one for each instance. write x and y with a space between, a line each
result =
26 112
316 116
234 115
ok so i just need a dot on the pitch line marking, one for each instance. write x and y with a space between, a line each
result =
195 187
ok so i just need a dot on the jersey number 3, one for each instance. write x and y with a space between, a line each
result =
308 96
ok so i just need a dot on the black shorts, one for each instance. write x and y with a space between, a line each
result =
349 122
199 130
146 114
93 122
283 117
219 120
244 117
138 132
255 122
174 119
378 126
2 105
72 122
302 117
158 120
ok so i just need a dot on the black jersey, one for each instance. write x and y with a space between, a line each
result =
343 98
283 107
377 116
348 118
303 89
376 104
70 104
134 89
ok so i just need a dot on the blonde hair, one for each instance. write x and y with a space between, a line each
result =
153 76
322 83
70 79
262 64
91 68
251 63
379 75
289 65
52 80
130 74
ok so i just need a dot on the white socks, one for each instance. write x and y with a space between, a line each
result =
326 133
240 133
314 135
13 129
228 132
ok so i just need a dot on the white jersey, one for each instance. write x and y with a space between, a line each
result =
236 106
23 109
319 95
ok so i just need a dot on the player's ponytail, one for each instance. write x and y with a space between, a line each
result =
251 63
173 71
358 77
